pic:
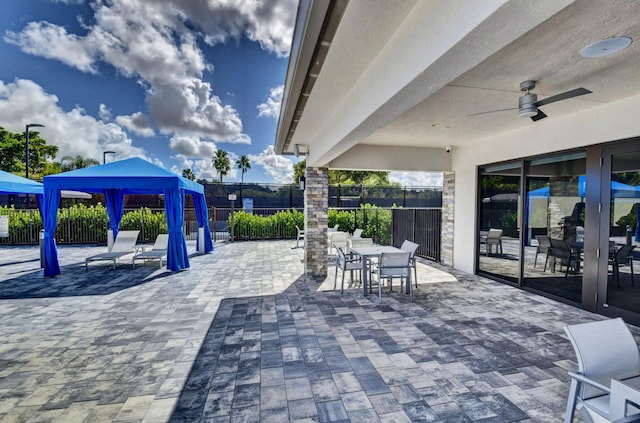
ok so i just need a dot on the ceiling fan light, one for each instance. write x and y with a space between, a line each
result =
527 107
528 112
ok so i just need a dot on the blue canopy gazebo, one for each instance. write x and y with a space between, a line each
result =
114 180
14 184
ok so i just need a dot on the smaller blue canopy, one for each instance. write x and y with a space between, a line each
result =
14 184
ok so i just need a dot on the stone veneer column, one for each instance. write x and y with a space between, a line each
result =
316 205
447 226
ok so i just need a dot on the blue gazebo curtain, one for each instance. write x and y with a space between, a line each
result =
177 256
202 215
114 199
49 216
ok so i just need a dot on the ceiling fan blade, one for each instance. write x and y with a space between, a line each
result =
539 116
493 111
563 96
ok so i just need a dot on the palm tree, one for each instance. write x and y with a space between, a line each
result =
188 173
221 163
243 164
78 162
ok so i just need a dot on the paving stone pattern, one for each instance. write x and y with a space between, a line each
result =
241 337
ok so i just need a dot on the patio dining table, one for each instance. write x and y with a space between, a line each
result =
368 253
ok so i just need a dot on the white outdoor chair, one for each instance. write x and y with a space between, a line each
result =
122 246
334 229
606 353
411 247
338 239
157 252
494 238
393 265
299 235
357 233
346 263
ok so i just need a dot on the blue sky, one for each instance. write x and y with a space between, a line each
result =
170 81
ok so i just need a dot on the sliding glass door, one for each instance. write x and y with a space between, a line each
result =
554 225
620 289
498 252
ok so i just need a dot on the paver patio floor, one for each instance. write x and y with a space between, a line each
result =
241 336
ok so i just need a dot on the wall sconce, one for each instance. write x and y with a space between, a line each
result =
301 150
302 183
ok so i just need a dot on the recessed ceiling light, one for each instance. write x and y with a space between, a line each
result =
606 47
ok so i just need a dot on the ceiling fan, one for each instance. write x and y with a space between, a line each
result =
528 104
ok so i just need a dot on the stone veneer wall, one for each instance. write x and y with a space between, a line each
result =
446 232
316 206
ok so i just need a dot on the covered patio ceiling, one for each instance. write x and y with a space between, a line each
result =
388 85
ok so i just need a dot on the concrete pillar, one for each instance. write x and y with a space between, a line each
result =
447 226
316 205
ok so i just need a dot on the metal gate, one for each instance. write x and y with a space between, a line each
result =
421 226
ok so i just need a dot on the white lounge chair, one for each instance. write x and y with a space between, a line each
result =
122 246
157 252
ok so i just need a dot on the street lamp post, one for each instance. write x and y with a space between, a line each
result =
26 147
104 155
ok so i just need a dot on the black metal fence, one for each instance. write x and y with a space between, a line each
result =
422 226
384 225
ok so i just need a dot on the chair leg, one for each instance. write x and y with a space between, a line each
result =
415 270
571 401
335 279
342 283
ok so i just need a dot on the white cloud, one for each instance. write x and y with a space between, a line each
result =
53 42
155 42
416 179
192 147
278 168
73 132
272 107
138 123
268 22
104 112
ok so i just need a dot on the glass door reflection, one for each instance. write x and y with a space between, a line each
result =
623 284
498 237
554 225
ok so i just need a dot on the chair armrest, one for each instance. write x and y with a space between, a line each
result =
583 379
621 395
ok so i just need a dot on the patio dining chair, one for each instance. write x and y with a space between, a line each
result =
122 246
299 235
346 263
561 252
157 252
357 233
622 257
391 266
607 356
338 239
494 239
412 247
543 248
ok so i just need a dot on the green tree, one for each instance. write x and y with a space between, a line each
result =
221 163
347 177
298 170
188 173
243 164
68 163
12 154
